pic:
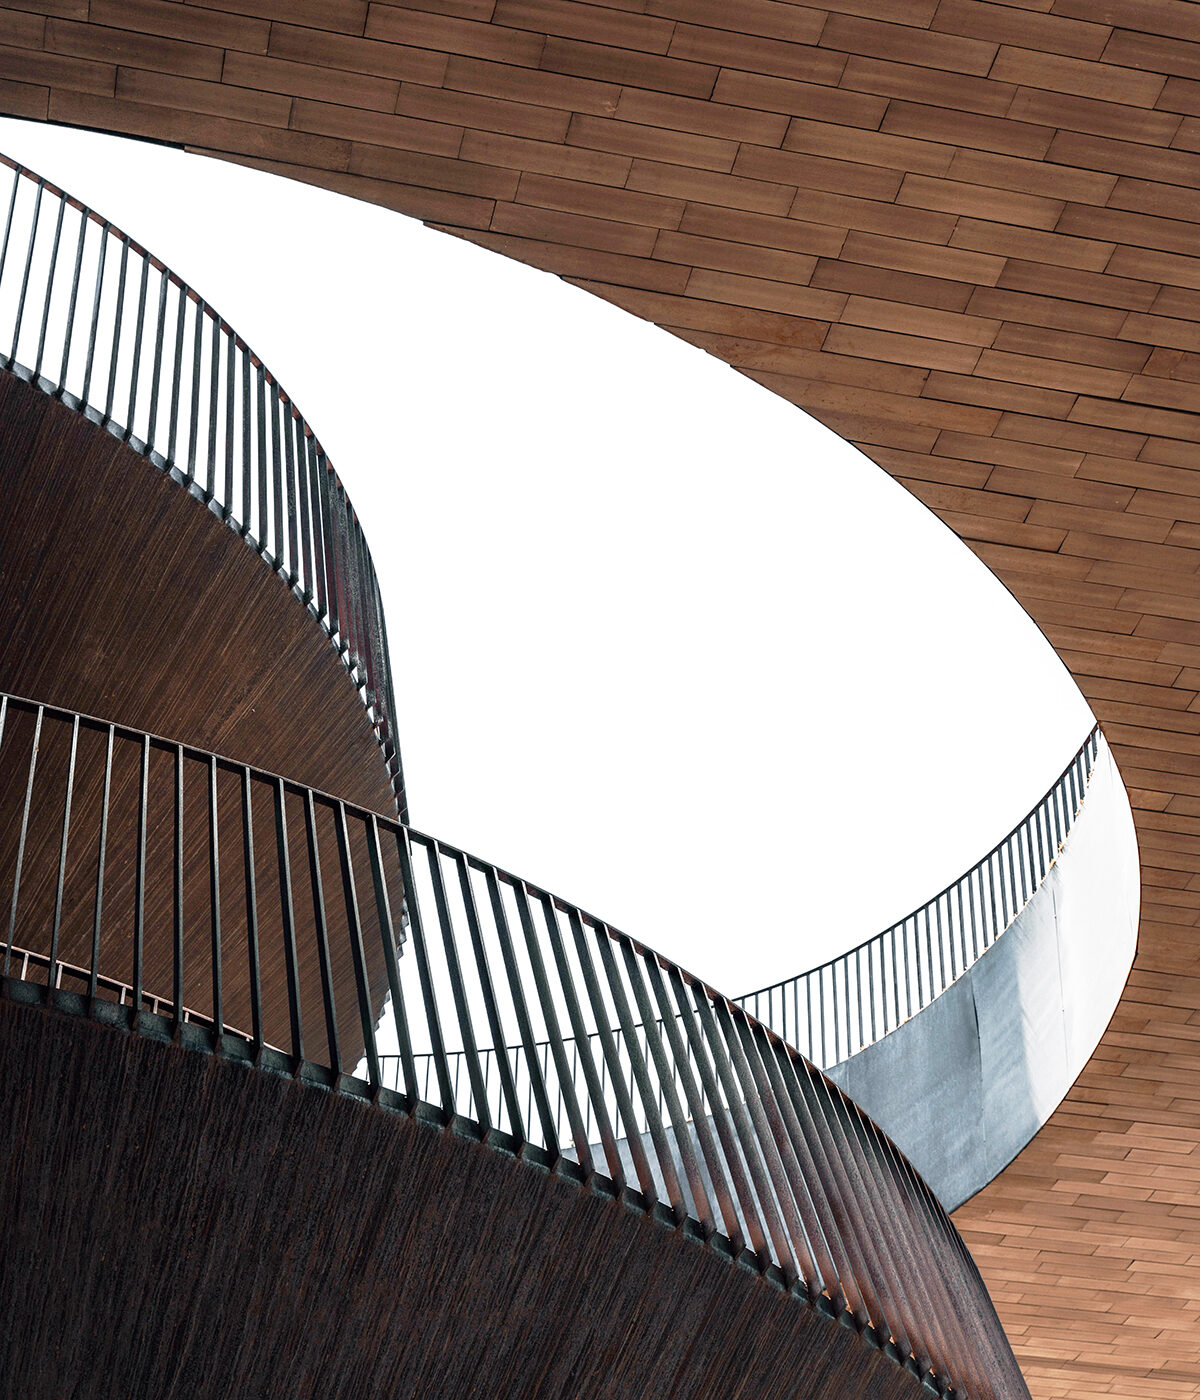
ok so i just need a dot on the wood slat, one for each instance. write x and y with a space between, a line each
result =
962 233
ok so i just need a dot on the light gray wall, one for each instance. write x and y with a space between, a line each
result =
965 1084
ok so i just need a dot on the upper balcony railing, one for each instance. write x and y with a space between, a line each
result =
92 318
840 1007
169 876
832 1011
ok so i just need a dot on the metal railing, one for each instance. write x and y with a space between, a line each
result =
899 971
92 318
832 1011
236 893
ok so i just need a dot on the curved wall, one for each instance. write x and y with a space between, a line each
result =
963 1086
963 235
186 1226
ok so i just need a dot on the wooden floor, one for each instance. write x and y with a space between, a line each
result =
964 235
184 1226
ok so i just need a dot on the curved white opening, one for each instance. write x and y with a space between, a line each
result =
663 643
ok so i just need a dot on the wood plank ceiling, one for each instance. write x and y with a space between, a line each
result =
964 235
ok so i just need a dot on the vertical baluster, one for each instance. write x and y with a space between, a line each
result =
177 990
537 1085
160 326
194 405
122 273
508 1088
177 375
56 928
138 334
287 911
48 294
358 953
416 927
97 914
93 328
214 895
322 932
249 878
433 854
388 934
139 897
33 229
69 332
16 892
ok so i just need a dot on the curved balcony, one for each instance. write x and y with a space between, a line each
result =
840 1007
163 898
963 1088
95 322
759 1156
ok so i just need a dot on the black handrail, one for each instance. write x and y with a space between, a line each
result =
929 948
836 1009
92 318
207 879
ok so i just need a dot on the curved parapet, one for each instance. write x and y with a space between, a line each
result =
750 1150
190 643
966 1083
838 1008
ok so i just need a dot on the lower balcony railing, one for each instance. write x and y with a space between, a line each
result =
157 878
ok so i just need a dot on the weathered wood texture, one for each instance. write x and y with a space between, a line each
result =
124 597
961 233
177 1225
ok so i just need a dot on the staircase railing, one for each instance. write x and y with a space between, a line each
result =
92 318
164 870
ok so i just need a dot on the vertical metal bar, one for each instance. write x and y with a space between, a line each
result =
260 398
156 372
304 484
612 1059
280 547
508 1086
69 333
541 983
358 954
287 913
247 464
695 1102
177 375
37 212
433 855
289 455
417 930
99 905
33 758
95 321
746 1222
194 411
178 888
318 895
139 899
49 293
12 204
214 399
582 1047
388 933
214 893
109 397
52 969
251 887
537 1084
137 349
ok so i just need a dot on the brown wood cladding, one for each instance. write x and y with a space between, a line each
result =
123 597
301 1244
963 234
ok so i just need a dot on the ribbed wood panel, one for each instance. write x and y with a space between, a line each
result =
182 1226
961 234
